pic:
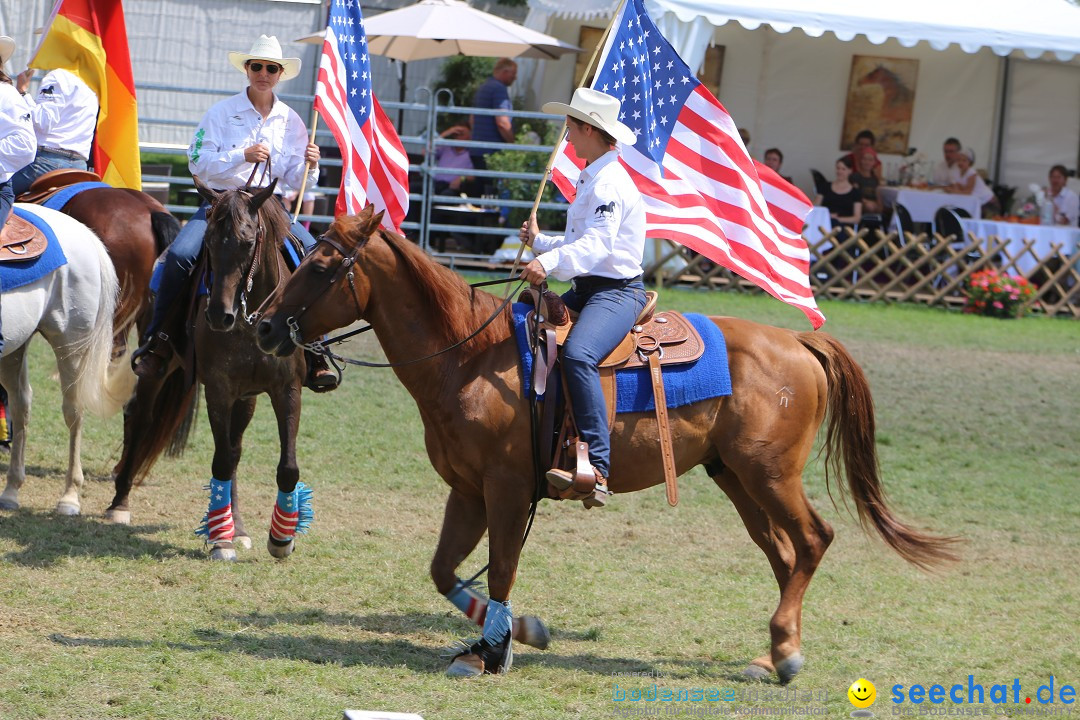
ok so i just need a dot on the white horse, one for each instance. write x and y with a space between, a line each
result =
72 308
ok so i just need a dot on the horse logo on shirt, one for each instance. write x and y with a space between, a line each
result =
608 209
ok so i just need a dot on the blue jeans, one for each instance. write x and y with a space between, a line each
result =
43 163
180 261
605 317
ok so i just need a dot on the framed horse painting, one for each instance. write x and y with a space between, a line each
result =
880 98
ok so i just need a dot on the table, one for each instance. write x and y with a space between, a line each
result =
923 204
1016 233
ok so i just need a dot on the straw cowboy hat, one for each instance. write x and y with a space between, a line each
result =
597 109
267 48
7 49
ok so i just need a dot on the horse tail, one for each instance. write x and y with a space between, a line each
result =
103 384
173 412
850 449
165 227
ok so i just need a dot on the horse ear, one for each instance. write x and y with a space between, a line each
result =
263 195
207 194
370 220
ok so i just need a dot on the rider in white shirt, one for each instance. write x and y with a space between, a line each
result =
64 112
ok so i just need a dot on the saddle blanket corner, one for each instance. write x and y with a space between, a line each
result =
16 274
708 377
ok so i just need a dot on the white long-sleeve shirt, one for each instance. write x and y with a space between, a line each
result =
18 146
216 153
1066 203
64 112
605 227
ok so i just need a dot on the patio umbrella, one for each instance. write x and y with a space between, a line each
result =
441 28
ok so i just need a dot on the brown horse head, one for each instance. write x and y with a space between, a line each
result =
324 293
242 232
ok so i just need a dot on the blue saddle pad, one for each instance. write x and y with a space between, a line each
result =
684 384
60 199
17 274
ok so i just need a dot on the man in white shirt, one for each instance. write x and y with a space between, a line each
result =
946 172
601 253
64 112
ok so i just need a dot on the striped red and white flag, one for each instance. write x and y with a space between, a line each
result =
375 167
700 185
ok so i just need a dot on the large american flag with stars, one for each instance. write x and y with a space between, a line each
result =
700 185
375 167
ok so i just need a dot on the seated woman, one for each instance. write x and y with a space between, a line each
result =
970 183
866 180
841 197
456 158
1066 203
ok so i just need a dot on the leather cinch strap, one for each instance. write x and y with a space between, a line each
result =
667 454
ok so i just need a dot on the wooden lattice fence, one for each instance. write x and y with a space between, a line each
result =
928 269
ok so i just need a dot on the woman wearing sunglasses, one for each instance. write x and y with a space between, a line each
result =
253 126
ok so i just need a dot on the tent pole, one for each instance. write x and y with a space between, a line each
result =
1003 104
586 77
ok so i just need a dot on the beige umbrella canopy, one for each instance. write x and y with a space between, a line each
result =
441 28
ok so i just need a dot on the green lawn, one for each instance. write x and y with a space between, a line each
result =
978 434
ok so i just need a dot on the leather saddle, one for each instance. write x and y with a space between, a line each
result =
656 340
20 240
52 182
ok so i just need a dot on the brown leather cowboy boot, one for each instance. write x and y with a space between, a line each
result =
561 480
320 377
150 361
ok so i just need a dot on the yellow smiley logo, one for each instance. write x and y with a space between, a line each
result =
862 693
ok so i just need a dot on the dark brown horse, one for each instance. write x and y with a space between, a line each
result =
477 422
242 245
135 228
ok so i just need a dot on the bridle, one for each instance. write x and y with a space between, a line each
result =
348 260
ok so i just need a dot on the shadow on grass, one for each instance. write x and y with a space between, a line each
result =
393 653
48 539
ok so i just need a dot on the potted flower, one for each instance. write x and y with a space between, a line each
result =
993 293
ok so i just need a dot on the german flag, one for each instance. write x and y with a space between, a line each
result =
89 39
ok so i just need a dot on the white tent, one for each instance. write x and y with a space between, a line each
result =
998 74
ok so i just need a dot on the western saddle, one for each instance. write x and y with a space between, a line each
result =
656 340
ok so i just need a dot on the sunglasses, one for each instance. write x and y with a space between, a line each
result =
257 67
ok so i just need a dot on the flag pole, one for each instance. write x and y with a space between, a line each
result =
303 183
554 152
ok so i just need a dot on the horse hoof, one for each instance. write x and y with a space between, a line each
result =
6 504
118 517
68 509
531 630
466 666
279 551
243 541
223 554
789 667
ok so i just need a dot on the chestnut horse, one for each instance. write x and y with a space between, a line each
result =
242 246
477 424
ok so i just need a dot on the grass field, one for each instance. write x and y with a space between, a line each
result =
978 434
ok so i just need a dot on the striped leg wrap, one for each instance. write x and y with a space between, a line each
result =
474 604
292 513
217 525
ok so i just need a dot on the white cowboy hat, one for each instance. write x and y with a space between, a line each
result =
597 109
7 49
267 48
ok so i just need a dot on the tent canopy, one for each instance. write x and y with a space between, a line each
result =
1004 26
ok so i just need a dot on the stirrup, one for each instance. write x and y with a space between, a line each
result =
152 357
320 378
599 497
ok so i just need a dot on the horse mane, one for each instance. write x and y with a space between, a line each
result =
458 308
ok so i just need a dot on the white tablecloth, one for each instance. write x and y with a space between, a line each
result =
922 204
1016 233
817 219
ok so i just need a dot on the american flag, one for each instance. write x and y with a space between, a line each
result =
375 167
700 186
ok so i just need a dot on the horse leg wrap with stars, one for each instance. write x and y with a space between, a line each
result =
217 525
292 513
